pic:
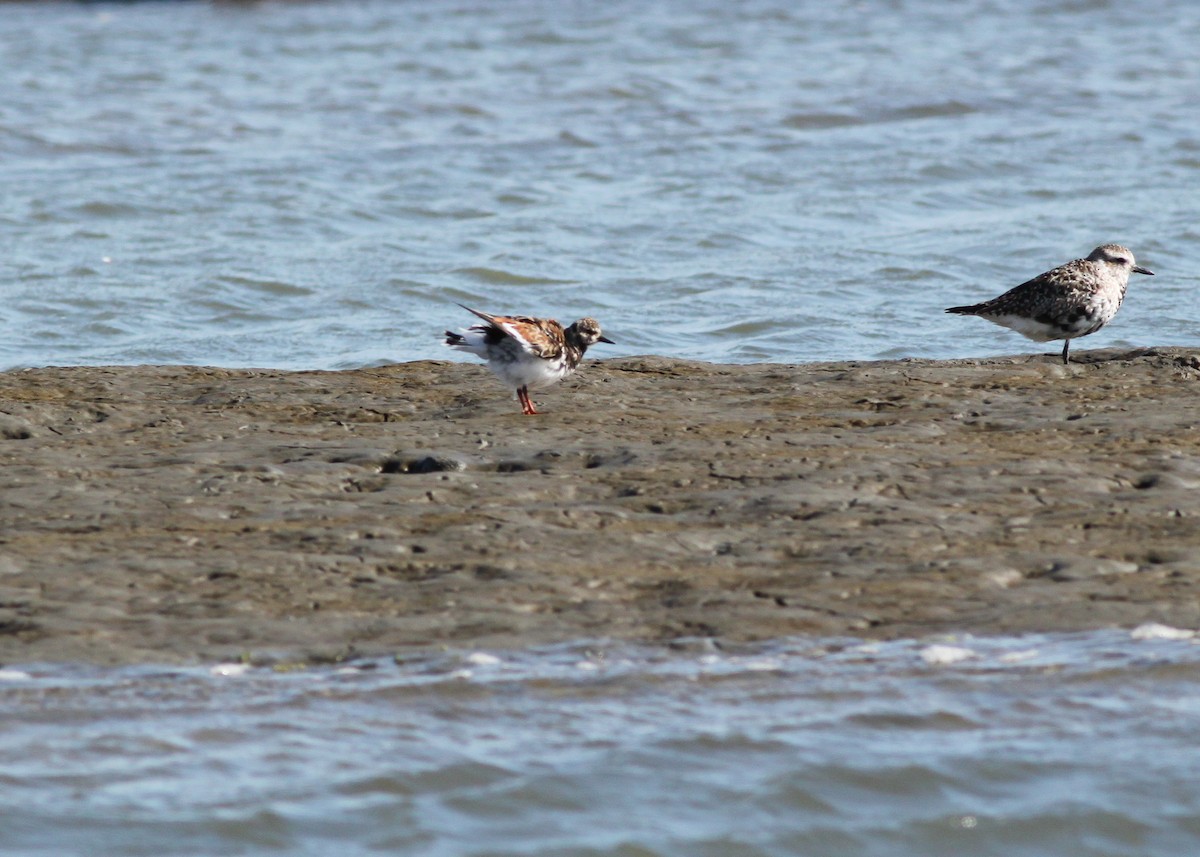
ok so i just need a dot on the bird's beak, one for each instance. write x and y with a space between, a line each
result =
606 339
1138 269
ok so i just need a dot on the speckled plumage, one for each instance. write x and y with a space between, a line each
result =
1069 301
527 352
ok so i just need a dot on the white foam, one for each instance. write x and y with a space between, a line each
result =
482 659
939 655
1019 657
1156 631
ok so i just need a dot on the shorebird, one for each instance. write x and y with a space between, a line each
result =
527 352
1072 300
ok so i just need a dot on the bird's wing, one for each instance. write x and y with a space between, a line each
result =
541 337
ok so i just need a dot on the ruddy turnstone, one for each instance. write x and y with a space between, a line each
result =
527 352
1072 300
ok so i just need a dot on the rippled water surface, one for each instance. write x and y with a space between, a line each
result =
1065 745
316 184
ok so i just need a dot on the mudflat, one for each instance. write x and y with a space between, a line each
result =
187 514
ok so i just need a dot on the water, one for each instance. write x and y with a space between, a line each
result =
313 185
1066 745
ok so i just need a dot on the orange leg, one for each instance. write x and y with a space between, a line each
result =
527 407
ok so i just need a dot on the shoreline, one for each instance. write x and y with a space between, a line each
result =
184 514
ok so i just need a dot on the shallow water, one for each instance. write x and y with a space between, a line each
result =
1066 745
313 185
306 185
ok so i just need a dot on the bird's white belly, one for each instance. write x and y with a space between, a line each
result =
528 371
1035 330
1079 322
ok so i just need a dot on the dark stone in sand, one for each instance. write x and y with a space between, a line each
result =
178 513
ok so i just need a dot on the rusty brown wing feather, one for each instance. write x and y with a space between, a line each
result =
541 337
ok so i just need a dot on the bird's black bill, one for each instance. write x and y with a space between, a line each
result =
1138 269
606 339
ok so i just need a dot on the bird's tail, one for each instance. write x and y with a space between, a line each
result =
454 339
964 310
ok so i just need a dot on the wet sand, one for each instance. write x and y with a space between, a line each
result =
181 514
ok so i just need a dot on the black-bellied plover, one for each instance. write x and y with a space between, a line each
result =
1072 300
527 352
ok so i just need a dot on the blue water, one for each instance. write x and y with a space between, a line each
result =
314 185
307 185
1065 744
